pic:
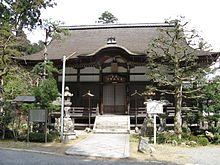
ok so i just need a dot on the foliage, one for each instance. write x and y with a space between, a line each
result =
5 118
107 18
210 103
40 137
193 138
192 117
25 14
52 30
7 49
216 139
18 15
15 16
45 69
173 63
203 141
35 47
46 92
172 138
214 129
167 137
18 83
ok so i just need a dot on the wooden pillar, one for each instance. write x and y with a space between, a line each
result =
78 87
100 91
128 92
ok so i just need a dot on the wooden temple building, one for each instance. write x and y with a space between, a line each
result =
109 62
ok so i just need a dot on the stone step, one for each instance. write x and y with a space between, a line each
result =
112 124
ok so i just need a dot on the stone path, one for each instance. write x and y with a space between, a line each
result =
102 145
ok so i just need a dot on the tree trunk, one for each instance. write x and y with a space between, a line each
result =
178 117
15 135
19 30
3 133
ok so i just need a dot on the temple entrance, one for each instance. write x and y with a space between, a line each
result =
114 99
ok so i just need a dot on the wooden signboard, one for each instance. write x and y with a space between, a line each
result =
38 115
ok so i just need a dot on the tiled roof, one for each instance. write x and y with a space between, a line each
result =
86 40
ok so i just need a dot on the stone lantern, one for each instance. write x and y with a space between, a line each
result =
67 101
68 122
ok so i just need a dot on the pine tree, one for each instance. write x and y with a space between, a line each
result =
173 63
107 18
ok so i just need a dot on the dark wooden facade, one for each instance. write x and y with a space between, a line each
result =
112 75
110 63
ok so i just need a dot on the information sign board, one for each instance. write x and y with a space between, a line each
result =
154 107
38 115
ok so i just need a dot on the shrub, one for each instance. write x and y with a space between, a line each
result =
22 138
216 139
193 138
8 134
203 141
40 137
167 137
214 129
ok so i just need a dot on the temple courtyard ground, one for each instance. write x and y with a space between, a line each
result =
168 154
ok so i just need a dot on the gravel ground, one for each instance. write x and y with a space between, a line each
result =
208 155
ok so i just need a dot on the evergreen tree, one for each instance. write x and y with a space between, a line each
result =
210 102
107 18
173 63
46 91
25 14
15 15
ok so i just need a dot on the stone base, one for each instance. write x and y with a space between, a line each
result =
69 136
144 146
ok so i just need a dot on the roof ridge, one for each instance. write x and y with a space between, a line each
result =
125 25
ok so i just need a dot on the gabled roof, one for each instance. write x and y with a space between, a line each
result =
25 99
87 40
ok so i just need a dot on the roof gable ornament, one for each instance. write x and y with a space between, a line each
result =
111 40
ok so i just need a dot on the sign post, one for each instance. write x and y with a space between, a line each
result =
88 94
37 115
155 129
154 107
62 97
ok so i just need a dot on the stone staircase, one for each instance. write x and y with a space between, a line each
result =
115 124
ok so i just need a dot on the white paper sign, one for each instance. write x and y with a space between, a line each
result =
154 107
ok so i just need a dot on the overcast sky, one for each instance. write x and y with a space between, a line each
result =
204 15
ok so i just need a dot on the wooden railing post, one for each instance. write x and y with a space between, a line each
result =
97 110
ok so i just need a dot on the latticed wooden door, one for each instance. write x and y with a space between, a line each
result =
114 99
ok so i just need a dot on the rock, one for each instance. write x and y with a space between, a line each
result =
87 130
183 144
162 126
173 142
136 130
209 135
171 132
191 143
144 146
218 124
147 129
